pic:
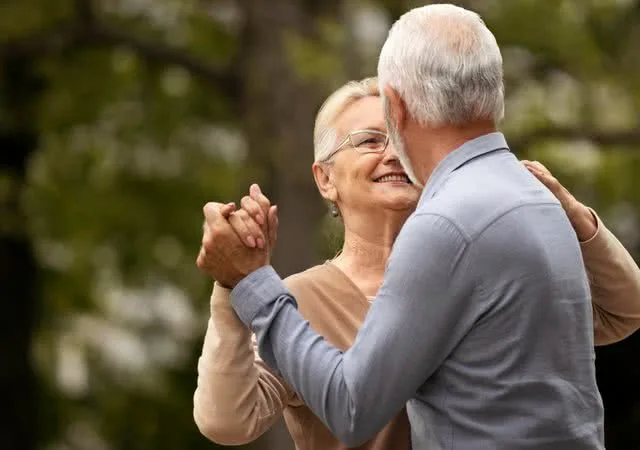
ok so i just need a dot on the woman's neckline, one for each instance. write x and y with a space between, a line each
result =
367 299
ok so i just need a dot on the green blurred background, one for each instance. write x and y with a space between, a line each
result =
119 119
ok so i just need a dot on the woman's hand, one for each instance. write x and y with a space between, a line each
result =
583 221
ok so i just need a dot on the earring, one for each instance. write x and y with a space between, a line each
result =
335 212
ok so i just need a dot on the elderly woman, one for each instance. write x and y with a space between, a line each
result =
357 171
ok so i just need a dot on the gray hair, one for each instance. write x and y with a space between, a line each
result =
445 64
324 133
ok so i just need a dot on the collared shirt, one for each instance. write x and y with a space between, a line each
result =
483 322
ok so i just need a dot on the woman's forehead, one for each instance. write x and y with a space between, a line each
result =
365 113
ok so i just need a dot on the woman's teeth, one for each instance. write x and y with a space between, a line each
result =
393 178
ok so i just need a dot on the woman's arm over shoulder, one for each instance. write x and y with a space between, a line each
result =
613 274
614 278
237 397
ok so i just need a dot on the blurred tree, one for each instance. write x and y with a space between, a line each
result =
120 119
18 269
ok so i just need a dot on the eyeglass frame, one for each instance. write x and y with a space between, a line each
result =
347 140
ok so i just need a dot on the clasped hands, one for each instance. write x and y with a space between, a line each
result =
236 242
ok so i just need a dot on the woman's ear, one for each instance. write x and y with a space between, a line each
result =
322 175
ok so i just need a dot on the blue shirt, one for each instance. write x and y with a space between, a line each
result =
483 323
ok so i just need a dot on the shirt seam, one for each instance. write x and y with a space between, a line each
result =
508 211
459 230
470 239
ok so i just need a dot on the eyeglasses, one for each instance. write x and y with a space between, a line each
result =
364 141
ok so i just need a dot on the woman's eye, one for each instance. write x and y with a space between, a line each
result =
369 142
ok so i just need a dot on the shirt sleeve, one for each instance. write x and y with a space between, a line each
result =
420 314
237 397
614 278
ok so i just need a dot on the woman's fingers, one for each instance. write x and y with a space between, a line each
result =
544 175
256 194
536 165
273 226
567 200
254 209
247 229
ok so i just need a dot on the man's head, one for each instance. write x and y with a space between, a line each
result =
440 67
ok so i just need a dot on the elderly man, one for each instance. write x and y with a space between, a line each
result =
483 323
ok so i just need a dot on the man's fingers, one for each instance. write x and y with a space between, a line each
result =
256 194
211 208
227 209
253 208
215 216
201 259
273 226
247 229
217 211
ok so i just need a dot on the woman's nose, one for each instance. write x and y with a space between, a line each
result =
390 153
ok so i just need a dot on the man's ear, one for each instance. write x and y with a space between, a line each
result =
397 109
324 182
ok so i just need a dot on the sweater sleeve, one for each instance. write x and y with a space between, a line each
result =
237 397
614 278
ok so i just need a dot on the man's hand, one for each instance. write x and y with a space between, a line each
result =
233 243
583 221
223 255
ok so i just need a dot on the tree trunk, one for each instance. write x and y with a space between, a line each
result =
278 112
278 115
18 273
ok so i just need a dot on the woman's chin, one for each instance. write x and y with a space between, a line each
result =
399 202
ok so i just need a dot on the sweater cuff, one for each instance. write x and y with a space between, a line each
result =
598 228
256 291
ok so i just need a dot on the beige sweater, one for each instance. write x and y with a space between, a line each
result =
238 398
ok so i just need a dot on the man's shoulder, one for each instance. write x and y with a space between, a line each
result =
469 212
473 208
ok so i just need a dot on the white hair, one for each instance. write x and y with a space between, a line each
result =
445 64
324 133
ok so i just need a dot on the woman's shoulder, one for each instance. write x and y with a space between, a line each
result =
321 280
330 301
315 275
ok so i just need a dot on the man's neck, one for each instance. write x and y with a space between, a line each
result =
433 144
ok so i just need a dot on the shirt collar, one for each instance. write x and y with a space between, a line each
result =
471 149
